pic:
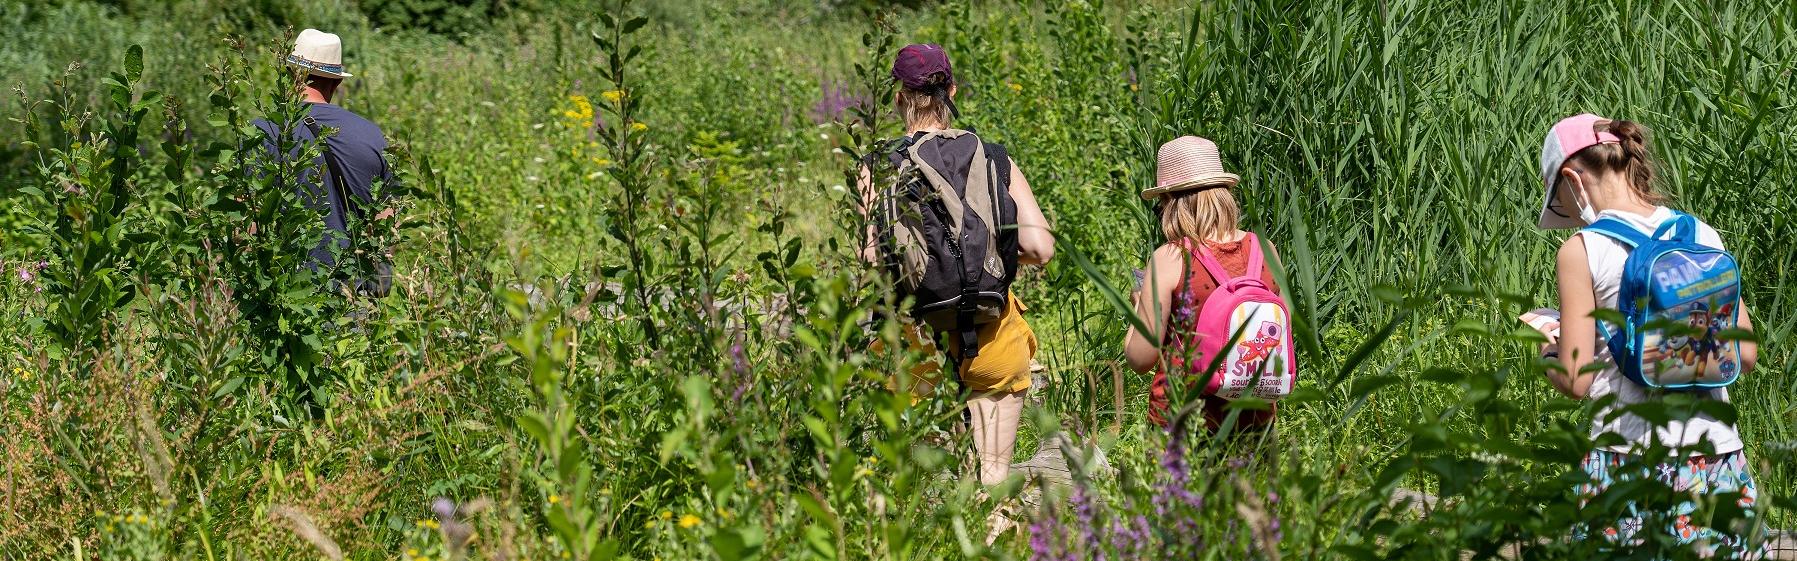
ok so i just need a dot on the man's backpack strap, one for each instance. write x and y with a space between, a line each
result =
337 181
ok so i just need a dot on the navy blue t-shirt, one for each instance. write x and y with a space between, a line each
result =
360 150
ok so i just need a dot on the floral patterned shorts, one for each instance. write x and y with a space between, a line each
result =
1699 476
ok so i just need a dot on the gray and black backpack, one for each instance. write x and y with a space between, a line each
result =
948 229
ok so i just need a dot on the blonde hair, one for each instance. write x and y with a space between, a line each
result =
1204 214
922 108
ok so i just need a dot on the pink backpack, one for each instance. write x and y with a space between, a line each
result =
1263 351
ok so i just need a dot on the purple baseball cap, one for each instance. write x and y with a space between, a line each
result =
917 65
1568 137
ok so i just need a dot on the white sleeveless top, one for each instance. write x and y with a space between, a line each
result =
1606 257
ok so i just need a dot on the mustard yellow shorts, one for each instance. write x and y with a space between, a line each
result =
1006 348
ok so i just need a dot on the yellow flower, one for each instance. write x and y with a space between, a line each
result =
601 162
688 521
639 127
1016 87
725 513
1135 87
413 552
650 525
753 484
612 96
565 555
581 116
555 499
666 515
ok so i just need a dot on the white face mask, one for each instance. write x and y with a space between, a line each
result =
1582 200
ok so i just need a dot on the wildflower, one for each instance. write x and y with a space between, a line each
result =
555 499
413 552
666 515
565 554
837 98
688 521
601 162
650 525
1015 87
753 484
582 111
638 127
612 96
739 365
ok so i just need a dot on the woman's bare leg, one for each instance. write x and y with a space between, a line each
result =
995 417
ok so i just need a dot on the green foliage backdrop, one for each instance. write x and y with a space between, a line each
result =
628 321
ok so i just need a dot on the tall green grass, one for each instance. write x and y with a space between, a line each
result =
676 360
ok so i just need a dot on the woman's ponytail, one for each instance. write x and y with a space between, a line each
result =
1629 157
1638 164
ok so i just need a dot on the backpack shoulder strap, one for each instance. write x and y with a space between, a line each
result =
1617 230
1257 261
1204 258
337 181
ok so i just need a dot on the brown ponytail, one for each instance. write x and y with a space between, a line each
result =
1630 157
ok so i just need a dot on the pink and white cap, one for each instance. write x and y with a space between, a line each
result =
1568 137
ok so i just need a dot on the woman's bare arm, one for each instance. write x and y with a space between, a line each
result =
869 238
1153 304
1035 241
1578 330
1750 351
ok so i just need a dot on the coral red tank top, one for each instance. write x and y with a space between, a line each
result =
1187 300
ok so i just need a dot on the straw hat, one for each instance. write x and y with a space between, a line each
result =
319 53
1186 163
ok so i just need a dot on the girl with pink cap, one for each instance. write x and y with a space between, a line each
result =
1595 169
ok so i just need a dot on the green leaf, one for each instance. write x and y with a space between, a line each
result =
738 543
635 24
533 424
134 62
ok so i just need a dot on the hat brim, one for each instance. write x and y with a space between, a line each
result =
1550 220
1218 180
316 71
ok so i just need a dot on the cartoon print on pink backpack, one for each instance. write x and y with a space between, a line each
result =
1256 351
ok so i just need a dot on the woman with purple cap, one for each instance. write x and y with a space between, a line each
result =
1599 170
995 226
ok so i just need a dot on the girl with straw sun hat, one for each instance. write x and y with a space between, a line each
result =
1205 254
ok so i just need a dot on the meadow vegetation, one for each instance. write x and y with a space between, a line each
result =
629 321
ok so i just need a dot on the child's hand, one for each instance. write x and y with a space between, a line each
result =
1551 348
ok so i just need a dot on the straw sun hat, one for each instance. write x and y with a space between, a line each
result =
1187 163
318 53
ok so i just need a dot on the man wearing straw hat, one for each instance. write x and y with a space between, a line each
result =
353 158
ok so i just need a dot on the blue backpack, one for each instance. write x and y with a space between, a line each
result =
1677 295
